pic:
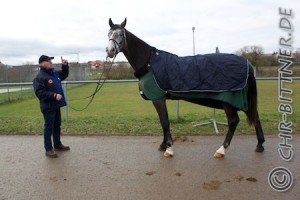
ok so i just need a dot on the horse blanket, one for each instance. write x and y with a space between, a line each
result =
220 77
201 73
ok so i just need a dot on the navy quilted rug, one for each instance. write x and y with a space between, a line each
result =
201 73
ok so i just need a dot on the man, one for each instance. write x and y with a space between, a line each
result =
48 89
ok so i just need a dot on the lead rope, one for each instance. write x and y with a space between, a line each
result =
97 89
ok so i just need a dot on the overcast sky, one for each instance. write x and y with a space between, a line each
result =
76 28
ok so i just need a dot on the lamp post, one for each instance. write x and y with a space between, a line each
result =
66 86
193 29
77 57
213 119
177 102
74 53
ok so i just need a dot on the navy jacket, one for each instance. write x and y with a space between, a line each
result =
46 84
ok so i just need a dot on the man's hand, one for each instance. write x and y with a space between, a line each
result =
64 61
57 96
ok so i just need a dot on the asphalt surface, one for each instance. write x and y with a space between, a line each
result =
132 168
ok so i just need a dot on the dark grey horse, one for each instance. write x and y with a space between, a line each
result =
138 54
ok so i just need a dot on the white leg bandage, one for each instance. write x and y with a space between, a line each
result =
221 150
169 152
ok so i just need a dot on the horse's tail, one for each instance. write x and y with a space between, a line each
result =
252 99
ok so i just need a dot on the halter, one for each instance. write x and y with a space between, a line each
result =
117 44
140 72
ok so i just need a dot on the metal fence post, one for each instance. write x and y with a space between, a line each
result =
177 109
7 81
20 76
66 94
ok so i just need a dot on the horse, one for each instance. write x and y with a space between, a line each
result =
139 54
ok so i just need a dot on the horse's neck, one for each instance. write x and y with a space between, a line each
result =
138 52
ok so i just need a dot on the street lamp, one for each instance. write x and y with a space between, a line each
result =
193 28
177 102
75 53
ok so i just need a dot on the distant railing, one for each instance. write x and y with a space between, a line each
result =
8 91
116 81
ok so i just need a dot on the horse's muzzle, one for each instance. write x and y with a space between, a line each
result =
111 53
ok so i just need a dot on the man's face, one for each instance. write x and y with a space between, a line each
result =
47 64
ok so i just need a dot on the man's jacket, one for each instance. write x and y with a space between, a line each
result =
47 84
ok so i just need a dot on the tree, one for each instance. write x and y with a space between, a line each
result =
255 54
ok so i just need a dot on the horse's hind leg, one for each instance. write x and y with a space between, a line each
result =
260 136
233 120
161 108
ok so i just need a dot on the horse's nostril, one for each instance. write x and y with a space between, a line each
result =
110 50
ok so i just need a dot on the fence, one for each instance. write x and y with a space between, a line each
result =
14 91
26 73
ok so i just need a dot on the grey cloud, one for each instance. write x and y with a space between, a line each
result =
10 48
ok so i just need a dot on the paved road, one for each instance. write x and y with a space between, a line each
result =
132 168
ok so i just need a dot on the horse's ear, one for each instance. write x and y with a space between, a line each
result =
123 24
111 24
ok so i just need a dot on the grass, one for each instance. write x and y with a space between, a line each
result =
268 71
16 93
118 109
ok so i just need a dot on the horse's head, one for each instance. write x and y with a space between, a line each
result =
116 38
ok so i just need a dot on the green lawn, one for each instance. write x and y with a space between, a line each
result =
15 93
118 109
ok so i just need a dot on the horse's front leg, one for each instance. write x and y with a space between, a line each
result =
161 108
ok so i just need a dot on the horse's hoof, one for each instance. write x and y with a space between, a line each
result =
162 147
169 152
218 155
259 149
